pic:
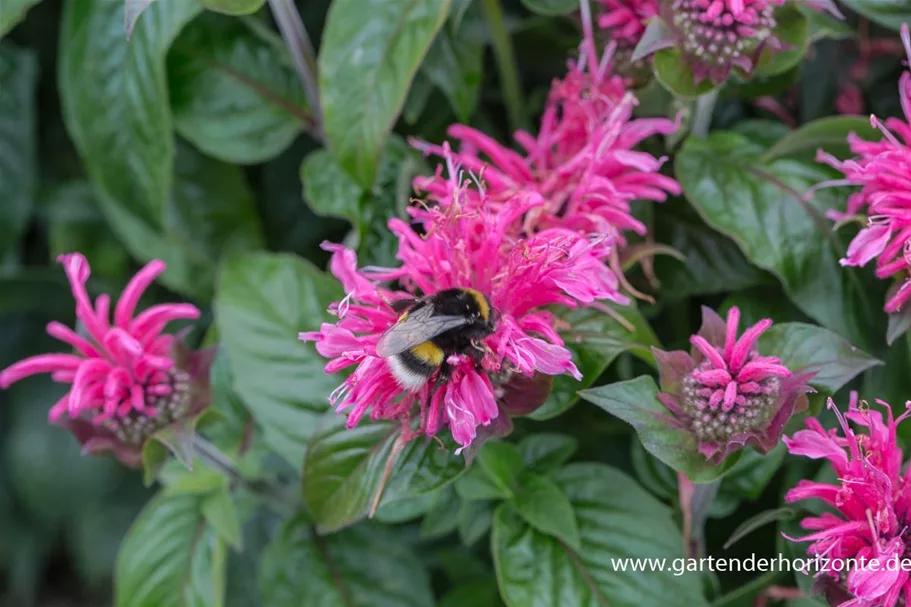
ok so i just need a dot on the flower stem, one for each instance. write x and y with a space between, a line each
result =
295 34
695 503
274 494
702 120
506 63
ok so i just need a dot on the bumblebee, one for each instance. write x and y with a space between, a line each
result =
431 329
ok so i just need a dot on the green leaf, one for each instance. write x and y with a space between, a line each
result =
674 73
406 510
443 517
656 476
812 348
829 133
713 262
455 62
233 7
477 592
475 519
210 215
551 8
823 25
792 29
168 559
263 300
888 13
187 218
200 480
328 189
753 472
502 462
18 173
476 484
128 147
221 515
366 566
12 12
344 470
759 205
544 452
545 507
234 91
757 522
595 341
365 69
207 578
635 402
617 520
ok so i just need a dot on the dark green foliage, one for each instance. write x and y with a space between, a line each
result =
198 142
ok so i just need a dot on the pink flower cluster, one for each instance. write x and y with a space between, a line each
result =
528 230
883 170
871 499
128 377
625 20
725 392
465 242
581 163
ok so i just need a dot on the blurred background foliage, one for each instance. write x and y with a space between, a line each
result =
243 170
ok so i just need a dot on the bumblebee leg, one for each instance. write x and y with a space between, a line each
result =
445 373
477 352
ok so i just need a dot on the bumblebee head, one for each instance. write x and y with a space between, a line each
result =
480 311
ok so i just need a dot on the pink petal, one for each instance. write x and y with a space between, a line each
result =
745 344
42 363
68 336
123 313
708 351
868 243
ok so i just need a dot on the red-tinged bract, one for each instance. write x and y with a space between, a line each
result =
129 379
465 242
869 502
883 171
725 392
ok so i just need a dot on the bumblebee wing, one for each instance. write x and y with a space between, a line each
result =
415 329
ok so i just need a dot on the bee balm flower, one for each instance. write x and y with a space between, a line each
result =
465 243
128 378
725 392
581 164
883 170
870 504
625 20
719 35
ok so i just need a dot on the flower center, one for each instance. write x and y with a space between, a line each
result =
167 399
718 414
714 36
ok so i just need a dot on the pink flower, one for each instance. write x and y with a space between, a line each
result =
883 170
466 242
581 165
871 502
724 392
625 20
128 378
719 35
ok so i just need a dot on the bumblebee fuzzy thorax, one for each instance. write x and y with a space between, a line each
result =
433 328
